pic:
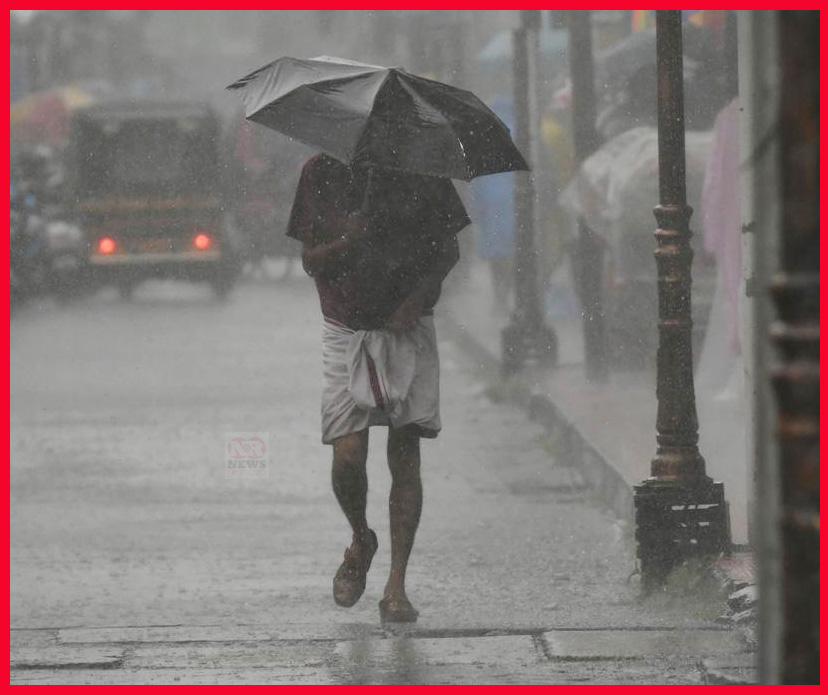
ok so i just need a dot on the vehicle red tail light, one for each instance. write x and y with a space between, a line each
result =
202 241
106 245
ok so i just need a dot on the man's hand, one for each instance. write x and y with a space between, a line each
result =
406 315
357 231
335 256
411 309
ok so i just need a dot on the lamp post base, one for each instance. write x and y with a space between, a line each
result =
525 339
675 521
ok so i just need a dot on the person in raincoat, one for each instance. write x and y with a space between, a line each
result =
493 211
378 245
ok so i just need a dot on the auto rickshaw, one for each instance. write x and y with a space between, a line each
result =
146 183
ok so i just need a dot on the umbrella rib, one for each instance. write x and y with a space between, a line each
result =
462 147
358 140
445 118
448 123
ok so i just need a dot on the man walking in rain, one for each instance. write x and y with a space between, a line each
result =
378 244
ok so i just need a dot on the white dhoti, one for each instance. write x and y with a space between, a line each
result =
380 378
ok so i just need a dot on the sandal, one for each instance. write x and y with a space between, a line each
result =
349 580
397 611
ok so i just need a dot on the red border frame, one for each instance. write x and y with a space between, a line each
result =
823 25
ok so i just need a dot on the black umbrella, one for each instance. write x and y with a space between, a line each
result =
365 115
626 80
634 57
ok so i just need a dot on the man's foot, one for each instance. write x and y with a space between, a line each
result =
349 581
396 610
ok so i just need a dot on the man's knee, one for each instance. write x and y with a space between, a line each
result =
404 452
350 451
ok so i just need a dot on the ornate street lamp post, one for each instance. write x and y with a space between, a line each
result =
679 510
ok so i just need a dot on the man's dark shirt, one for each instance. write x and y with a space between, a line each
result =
414 216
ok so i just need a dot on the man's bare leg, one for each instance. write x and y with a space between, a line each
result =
350 485
404 504
350 480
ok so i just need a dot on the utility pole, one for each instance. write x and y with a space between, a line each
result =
679 511
527 334
589 259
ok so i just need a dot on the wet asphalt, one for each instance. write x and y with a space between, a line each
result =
134 559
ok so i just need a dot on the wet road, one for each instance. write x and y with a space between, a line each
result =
125 530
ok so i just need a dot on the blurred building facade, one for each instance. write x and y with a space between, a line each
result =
183 52
58 47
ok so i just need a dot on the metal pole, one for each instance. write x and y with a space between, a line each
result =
525 273
589 256
680 511
796 336
527 335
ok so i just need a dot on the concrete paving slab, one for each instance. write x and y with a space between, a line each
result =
241 655
32 638
559 673
200 676
66 656
738 669
636 644
341 670
510 652
215 633
176 633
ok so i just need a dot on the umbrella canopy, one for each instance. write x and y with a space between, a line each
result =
635 55
497 56
43 117
626 80
366 115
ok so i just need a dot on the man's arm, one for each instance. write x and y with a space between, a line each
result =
412 307
320 258
332 257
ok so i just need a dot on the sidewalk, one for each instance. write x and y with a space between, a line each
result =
179 654
607 429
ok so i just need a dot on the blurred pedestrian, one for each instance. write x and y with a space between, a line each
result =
378 244
493 211
720 364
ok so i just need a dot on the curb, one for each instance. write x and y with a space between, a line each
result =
736 581
601 476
